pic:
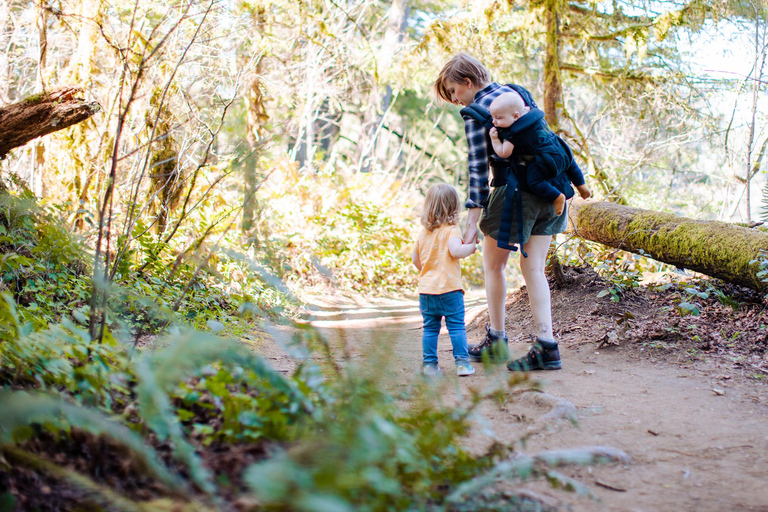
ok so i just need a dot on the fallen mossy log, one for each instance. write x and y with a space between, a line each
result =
717 249
42 114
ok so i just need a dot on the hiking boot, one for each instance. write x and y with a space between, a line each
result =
463 368
543 355
493 347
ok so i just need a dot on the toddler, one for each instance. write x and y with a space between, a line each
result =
439 248
517 127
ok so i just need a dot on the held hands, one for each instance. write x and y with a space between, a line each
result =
471 241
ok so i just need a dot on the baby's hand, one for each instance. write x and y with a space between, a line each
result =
494 133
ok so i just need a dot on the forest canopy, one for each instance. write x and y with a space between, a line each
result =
266 118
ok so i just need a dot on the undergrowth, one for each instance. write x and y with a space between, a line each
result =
48 272
322 438
622 271
341 443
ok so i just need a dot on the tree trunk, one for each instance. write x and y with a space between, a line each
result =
42 114
714 248
553 89
256 119
83 153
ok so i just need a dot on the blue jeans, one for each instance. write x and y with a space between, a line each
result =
433 308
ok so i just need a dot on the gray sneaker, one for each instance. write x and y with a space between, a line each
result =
431 370
463 368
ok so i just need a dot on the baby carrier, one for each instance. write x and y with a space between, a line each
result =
531 135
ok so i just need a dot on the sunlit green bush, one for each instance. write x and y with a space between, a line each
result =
351 230
341 443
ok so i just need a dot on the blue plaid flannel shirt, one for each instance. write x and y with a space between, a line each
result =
479 148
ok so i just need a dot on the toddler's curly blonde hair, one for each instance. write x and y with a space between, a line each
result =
441 206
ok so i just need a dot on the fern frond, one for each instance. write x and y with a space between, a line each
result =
96 494
158 414
764 204
10 318
187 356
160 371
21 409
527 466
61 356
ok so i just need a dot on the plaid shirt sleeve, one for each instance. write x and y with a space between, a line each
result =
477 151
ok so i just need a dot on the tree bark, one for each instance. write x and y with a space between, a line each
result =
553 88
42 114
717 249
256 119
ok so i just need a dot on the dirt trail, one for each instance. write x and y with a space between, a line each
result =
697 433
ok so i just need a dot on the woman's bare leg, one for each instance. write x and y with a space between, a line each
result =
533 268
494 263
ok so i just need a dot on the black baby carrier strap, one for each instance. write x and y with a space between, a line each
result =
512 201
479 114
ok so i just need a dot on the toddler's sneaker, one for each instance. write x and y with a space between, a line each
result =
463 369
431 370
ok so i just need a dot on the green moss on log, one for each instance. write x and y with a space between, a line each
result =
35 98
718 249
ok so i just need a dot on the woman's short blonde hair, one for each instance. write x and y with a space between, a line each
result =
441 206
458 69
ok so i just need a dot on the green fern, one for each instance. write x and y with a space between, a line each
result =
61 356
187 355
525 467
764 203
158 373
368 454
157 412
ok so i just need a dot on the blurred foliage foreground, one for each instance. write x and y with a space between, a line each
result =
200 422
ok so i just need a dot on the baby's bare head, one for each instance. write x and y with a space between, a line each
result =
507 108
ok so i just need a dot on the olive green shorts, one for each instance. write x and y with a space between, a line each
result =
538 216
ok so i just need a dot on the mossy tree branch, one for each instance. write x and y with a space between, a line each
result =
42 114
717 249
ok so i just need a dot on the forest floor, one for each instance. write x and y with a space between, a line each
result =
685 397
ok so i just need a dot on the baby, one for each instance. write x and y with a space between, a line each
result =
517 127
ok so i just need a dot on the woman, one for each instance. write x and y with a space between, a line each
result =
464 80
